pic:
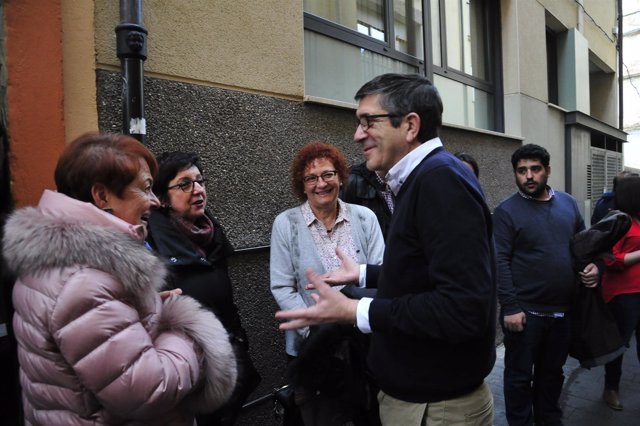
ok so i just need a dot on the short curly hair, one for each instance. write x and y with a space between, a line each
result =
307 154
530 152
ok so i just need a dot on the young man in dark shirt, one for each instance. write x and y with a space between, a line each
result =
536 286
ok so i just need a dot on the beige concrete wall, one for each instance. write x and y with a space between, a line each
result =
565 11
238 44
580 158
599 31
78 64
524 49
603 12
604 97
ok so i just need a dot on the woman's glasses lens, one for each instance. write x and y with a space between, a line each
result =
187 186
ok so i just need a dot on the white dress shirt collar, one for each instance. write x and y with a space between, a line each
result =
403 168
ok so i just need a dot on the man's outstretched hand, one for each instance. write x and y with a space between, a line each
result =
347 273
331 306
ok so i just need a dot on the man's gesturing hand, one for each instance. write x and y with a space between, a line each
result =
331 306
347 273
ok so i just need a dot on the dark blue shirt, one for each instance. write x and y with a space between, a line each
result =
535 271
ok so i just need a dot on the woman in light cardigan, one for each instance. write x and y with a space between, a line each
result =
307 236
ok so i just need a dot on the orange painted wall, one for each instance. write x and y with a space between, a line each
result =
33 41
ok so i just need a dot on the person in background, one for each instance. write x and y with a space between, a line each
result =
97 343
306 236
621 284
606 202
432 321
368 188
469 161
536 287
194 247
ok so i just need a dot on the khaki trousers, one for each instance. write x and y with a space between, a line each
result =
475 408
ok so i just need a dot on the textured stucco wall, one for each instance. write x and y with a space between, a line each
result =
246 142
244 44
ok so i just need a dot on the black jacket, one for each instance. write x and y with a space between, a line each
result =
363 188
206 279
595 337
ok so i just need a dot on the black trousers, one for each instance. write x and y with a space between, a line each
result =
533 375
626 310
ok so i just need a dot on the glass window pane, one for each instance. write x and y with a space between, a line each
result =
466 36
364 16
474 37
408 27
336 70
453 27
435 34
465 105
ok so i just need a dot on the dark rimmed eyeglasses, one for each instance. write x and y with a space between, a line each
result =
187 185
365 121
313 179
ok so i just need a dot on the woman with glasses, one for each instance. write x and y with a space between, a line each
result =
97 343
195 249
307 236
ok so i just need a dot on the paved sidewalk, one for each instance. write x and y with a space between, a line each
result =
581 398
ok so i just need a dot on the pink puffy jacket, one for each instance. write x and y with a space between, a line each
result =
96 344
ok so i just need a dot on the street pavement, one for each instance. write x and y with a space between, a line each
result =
581 399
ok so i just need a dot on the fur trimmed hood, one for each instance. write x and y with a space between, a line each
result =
35 241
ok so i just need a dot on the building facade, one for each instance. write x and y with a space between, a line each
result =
245 84
631 82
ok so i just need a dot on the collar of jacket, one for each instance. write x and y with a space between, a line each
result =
175 248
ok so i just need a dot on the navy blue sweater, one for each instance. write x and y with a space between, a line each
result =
433 319
534 261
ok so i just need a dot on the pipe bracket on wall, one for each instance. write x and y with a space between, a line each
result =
131 46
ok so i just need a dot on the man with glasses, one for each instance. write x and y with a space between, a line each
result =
536 286
433 319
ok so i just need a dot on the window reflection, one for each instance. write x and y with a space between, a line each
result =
368 41
465 105
408 27
364 16
335 70
465 36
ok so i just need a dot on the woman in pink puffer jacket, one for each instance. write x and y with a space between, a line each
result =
97 344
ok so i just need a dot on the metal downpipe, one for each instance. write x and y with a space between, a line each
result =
131 39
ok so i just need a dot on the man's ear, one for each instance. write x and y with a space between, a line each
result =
413 126
549 170
99 195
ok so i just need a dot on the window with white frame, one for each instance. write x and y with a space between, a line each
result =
348 42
